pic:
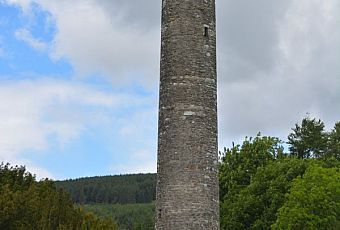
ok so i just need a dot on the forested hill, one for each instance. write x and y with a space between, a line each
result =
120 189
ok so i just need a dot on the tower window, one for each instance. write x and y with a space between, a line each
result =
206 31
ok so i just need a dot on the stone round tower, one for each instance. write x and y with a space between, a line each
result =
187 180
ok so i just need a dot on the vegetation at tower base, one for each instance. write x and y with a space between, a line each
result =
28 204
263 188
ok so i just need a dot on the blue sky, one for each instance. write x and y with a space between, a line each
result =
79 79
68 122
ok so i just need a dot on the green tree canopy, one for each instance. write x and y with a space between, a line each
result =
308 139
313 201
255 206
259 183
28 204
240 162
333 150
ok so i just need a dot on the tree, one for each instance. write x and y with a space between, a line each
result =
257 179
308 139
255 206
240 163
313 201
122 189
333 150
28 204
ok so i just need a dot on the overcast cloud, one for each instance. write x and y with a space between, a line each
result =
44 109
277 60
116 39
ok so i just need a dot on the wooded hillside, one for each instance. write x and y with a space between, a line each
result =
262 186
121 189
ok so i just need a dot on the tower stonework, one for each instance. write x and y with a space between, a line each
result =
187 177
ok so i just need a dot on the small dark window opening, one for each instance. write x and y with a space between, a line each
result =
159 213
206 31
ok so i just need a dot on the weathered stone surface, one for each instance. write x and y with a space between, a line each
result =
187 182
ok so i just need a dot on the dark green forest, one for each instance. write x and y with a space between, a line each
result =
126 199
265 183
121 189
128 216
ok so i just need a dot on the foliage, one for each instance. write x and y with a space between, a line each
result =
122 189
127 216
255 206
126 199
263 188
313 201
28 204
240 163
308 139
90 221
333 150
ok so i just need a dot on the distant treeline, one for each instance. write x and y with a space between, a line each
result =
121 189
262 186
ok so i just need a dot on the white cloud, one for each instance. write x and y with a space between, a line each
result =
142 155
25 36
24 4
142 121
139 130
278 60
135 167
141 161
39 172
31 111
117 39
97 40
